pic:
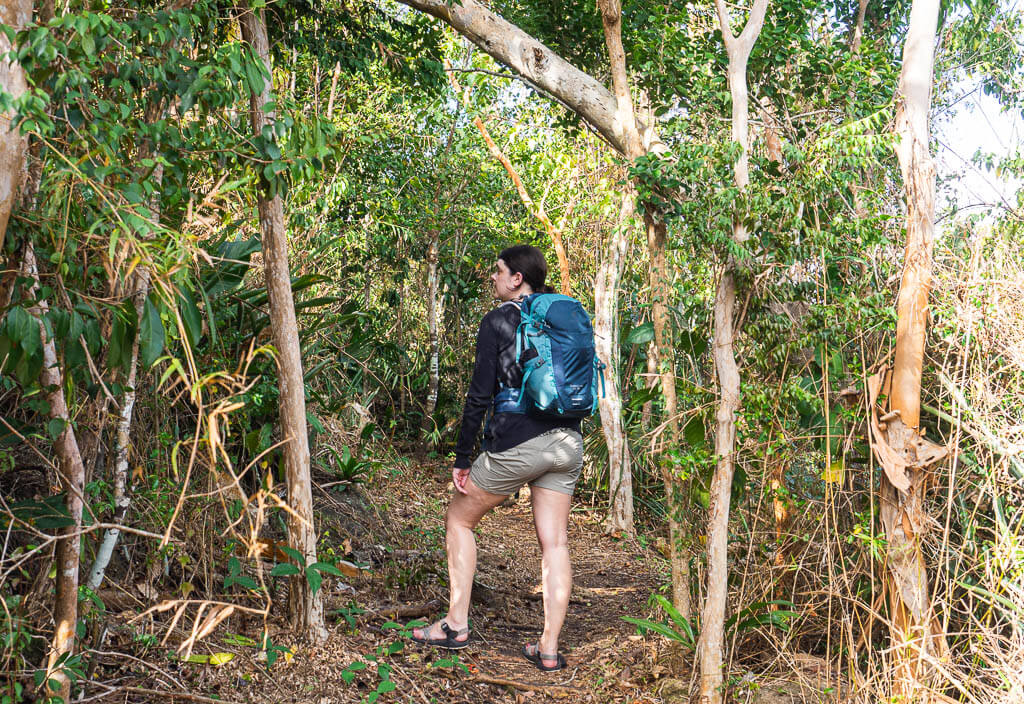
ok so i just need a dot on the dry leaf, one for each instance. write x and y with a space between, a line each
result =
895 466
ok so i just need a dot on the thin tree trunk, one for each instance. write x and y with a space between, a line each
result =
122 438
710 645
858 27
625 119
433 317
72 481
16 15
660 277
916 633
606 308
305 608
334 86
434 304
121 443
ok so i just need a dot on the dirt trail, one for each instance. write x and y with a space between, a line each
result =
607 662
611 580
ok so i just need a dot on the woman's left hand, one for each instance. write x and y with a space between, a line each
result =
459 478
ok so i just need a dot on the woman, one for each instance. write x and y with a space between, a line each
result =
546 453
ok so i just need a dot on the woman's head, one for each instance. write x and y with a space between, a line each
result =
520 269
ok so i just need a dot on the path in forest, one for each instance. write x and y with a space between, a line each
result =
607 661
611 579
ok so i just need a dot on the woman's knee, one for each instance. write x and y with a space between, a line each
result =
552 540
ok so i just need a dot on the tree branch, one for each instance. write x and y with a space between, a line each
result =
536 63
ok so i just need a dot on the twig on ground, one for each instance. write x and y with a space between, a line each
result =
527 686
163 695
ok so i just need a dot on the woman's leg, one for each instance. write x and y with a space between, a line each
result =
464 512
551 518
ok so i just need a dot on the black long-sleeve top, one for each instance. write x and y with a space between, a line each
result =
496 368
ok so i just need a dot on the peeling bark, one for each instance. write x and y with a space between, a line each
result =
710 645
305 609
916 632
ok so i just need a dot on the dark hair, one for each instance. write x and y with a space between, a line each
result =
528 261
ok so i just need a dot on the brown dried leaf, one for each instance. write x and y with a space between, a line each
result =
895 466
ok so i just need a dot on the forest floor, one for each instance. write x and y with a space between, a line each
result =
397 526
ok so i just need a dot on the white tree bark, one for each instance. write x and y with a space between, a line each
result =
305 608
710 644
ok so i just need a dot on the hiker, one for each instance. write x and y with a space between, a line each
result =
519 448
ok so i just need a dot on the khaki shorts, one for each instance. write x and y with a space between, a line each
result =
552 460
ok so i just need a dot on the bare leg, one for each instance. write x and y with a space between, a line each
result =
551 518
464 512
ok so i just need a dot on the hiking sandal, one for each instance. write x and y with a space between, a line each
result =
531 651
449 641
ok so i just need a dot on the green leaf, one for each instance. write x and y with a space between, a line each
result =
284 569
254 77
292 553
190 316
641 334
326 567
55 427
242 581
660 628
151 335
23 329
314 579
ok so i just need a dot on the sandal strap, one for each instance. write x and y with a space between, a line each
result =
451 631
545 656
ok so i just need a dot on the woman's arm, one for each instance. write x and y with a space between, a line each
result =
481 390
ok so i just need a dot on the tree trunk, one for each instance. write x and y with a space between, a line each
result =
334 86
710 645
625 118
72 481
916 633
305 609
121 443
660 277
16 15
606 309
858 27
433 317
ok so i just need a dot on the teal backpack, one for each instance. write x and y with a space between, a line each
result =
562 375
